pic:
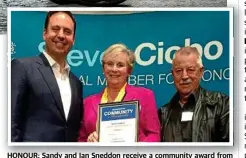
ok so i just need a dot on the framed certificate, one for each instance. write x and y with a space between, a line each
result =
118 122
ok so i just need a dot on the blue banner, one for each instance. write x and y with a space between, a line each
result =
153 36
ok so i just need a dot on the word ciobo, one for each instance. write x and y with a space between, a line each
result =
146 53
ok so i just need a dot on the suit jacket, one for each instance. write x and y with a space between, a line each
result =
37 113
149 126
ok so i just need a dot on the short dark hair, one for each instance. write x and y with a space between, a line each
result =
50 13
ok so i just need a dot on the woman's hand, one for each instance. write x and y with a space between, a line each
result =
93 137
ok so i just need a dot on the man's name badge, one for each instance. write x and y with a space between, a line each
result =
187 116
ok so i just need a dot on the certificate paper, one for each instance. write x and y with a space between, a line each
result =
118 122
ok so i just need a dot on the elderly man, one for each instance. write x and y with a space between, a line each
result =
193 114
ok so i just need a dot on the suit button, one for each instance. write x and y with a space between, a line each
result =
65 127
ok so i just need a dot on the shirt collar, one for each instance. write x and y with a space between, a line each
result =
53 63
194 95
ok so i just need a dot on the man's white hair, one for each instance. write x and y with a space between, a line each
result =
190 50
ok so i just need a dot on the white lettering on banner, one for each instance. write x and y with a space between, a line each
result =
12 49
207 51
101 81
155 53
41 47
141 80
168 53
139 50
85 80
155 79
75 57
166 78
168 56
209 75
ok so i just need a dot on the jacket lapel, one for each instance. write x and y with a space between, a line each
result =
197 117
96 102
50 80
129 94
166 117
166 114
73 95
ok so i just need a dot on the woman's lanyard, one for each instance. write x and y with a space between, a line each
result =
119 97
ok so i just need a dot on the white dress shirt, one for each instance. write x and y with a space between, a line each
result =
62 78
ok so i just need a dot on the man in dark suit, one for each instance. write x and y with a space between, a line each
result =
46 97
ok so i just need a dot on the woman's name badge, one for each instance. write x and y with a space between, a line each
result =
187 116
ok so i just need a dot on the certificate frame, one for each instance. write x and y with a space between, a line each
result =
114 105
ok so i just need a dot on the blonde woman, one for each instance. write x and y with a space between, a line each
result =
117 65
